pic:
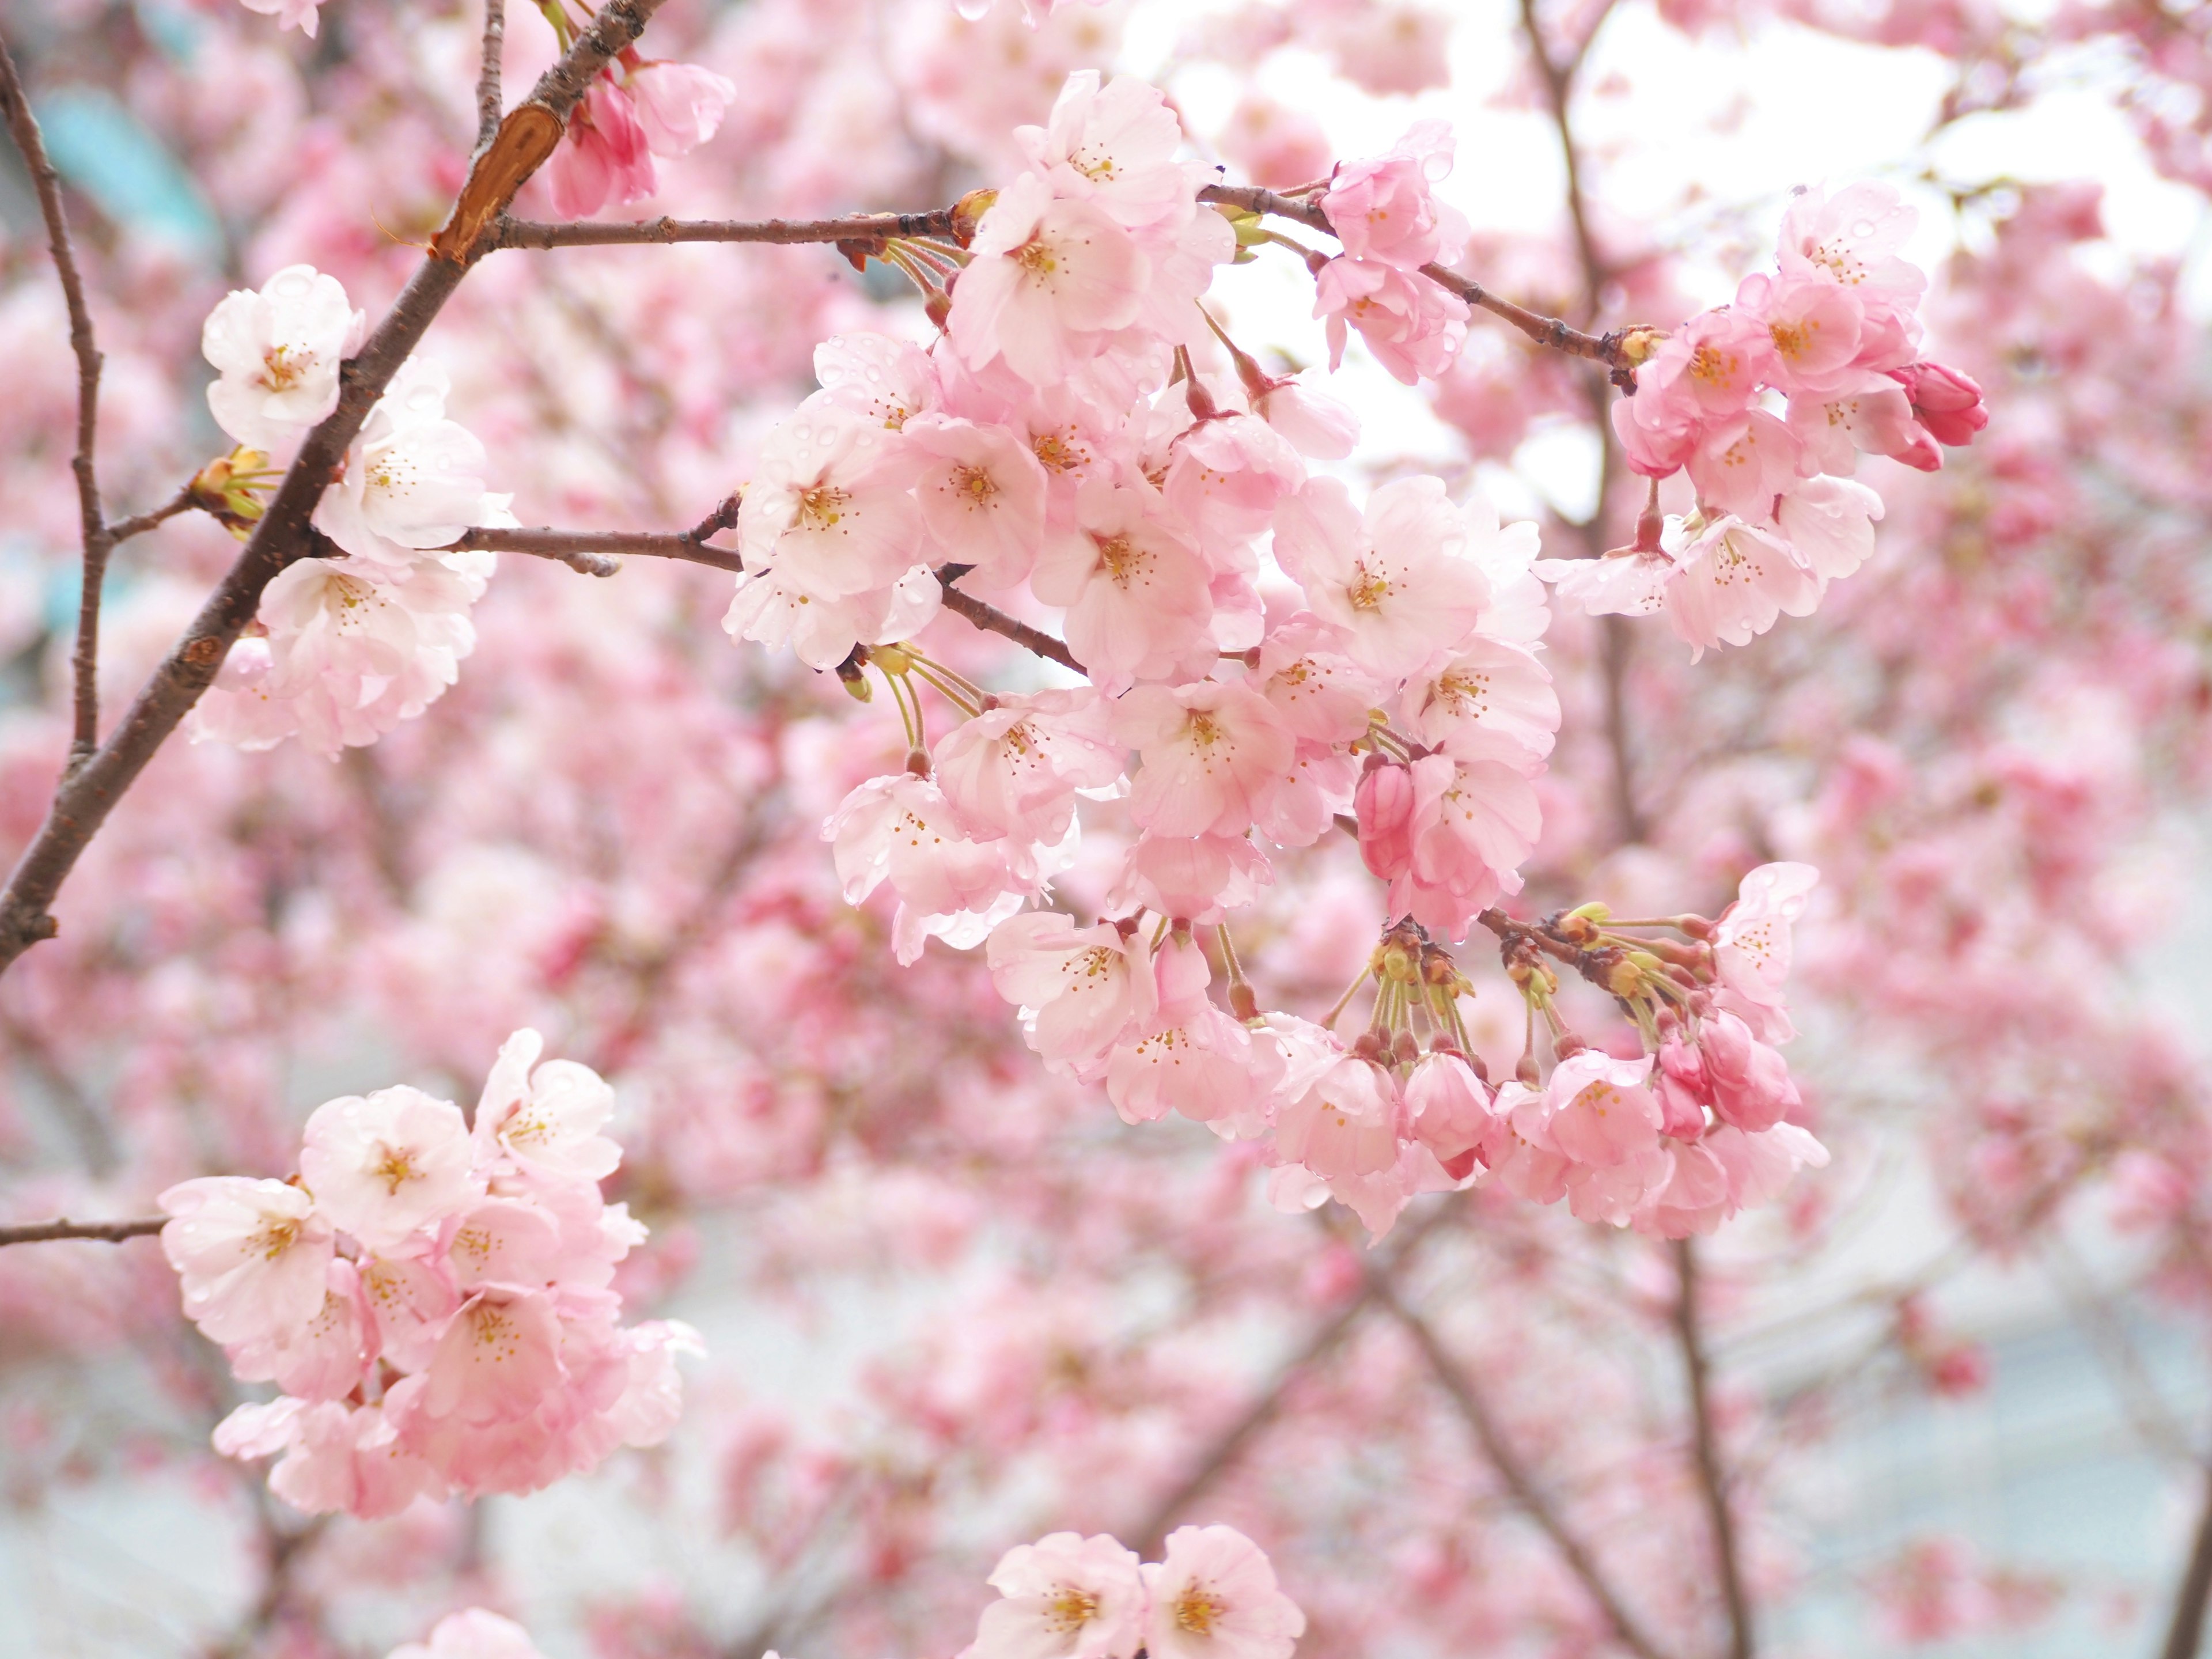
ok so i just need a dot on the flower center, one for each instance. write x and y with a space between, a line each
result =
1196 1611
1368 589
1037 258
275 1238
283 367
820 508
396 1169
974 485
1071 1609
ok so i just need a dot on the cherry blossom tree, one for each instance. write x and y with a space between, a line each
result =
1164 678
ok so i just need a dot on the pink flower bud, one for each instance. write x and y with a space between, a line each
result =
1750 1084
1948 404
1385 803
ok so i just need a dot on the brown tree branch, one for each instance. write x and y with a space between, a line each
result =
581 549
23 127
1518 1481
1712 1479
2185 1631
859 226
105 1232
88 792
1544 331
993 620
488 74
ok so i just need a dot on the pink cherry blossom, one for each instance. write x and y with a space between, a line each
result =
1751 940
679 106
775 608
1081 990
1731 581
1383 209
325 1358
304 15
1751 1085
1064 1598
1473 819
1413 326
1599 1110
544 1118
1948 404
982 494
253 1255
1741 465
951 887
1396 580
1137 591
1114 147
1813 326
1050 278
382 1165
1214 1596
1349 1121
1487 685
1209 753
1014 770
1201 879
606 152
829 508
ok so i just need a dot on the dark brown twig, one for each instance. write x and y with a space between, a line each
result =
1518 1481
105 1232
139 523
580 549
23 127
1712 1480
992 620
488 74
859 226
90 790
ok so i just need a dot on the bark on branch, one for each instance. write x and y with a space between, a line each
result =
105 1232
89 791
859 226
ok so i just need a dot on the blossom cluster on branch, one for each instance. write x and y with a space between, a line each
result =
434 1298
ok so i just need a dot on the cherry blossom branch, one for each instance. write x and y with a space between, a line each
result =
488 74
139 523
89 789
2185 1631
105 1232
1712 1480
582 549
854 228
1550 331
992 620
23 128
1517 1479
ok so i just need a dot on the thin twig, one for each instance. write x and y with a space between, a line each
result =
488 74
139 523
1544 331
23 127
1519 1482
1712 1479
858 227
105 1232
993 620
88 792
580 549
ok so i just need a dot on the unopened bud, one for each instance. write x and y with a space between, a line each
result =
1625 980
968 212
891 659
1637 345
1398 964
1695 927
1251 227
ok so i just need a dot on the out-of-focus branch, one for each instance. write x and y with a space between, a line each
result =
852 227
1616 643
2185 1631
1712 1479
105 1232
23 127
488 74
1227 1447
1519 1482
90 788
139 523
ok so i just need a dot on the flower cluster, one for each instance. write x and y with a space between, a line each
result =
637 108
1212 1596
344 647
1391 225
1766 404
433 1298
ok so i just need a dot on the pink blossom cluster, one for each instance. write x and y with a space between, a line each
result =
639 107
1390 223
343 647
435 1298
1767 404
1213 1595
